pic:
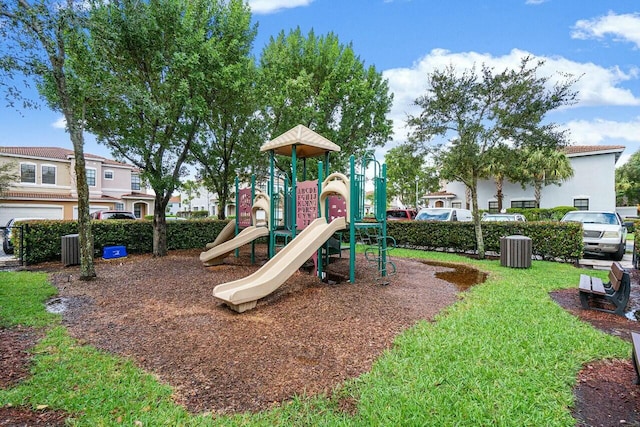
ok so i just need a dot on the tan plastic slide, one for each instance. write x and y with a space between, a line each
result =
222 246
241 295
227 233
217 254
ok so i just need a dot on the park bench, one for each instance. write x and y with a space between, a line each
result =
593 292
635 355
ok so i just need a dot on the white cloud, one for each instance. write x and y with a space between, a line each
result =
623 28
598 131
598 86
272 6
535 2
61 123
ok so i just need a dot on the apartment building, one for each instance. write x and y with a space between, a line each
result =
46 185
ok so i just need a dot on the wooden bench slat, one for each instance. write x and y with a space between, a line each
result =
617 270
585 283
597 287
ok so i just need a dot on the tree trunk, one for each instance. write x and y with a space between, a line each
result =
159 228
85 234
476 219
499 195
223 198
537 192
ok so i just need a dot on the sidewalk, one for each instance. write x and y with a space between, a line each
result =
7 261
604 263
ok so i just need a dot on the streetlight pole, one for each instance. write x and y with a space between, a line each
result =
416 193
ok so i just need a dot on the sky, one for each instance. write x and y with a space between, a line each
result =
595 40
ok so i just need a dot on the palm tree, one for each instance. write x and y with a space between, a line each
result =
499 167
545 167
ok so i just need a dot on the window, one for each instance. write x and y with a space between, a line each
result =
493 207
108 175
91 177
523 204
581 204
135 182
457 205
137 210
119 206
49 175
28 173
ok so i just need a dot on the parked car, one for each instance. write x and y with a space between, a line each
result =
603 232
503 217
113 215
444 214
7 244
400 214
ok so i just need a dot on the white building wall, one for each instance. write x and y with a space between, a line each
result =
457 188
593 179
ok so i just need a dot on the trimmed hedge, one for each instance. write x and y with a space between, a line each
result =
543 214
43 242
550 240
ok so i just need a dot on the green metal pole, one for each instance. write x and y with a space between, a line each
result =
272 209
382 204
253 196
237 251
319 254
294 204
353 202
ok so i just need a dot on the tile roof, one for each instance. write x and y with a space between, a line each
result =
136 195
581 149
440 194
42 196
23 195
54 153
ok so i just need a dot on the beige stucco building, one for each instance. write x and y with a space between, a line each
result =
46 185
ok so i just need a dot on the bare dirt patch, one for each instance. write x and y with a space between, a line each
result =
306 337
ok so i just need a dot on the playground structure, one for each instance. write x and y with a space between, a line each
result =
303 216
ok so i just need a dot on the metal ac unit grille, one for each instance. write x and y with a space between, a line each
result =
70 250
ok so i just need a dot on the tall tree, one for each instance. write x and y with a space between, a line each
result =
156 67
500 166
408 176
36 39
322 84
230 143
477 111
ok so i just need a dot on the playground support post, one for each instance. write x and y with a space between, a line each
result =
319 254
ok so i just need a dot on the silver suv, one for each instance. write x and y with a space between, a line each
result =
603 232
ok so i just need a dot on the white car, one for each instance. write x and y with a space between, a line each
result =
603 232
504 217
7 243
444 214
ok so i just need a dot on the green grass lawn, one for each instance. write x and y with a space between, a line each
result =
504 355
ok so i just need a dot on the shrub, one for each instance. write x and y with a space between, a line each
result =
42 239
543 214
550 240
